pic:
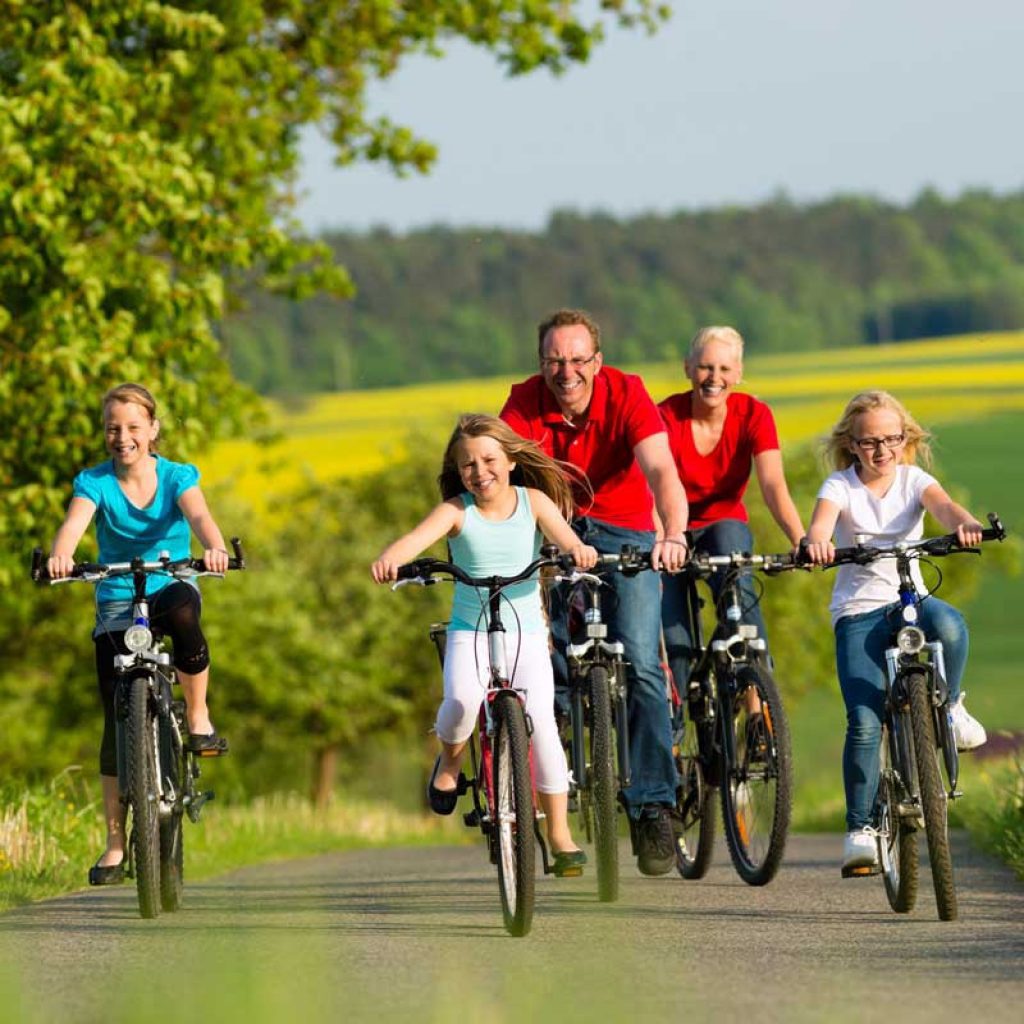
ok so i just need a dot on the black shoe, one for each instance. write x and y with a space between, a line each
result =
208 744
443 801
655 840
111 875
568 864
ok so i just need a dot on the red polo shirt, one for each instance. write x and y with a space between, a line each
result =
715 482
601 443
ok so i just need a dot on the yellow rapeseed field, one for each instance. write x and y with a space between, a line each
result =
350 433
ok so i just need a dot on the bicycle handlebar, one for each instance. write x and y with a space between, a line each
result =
95 572
425 570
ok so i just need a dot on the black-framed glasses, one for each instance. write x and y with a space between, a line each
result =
576 363
870 444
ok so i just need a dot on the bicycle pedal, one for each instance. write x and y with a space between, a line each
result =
862 871
471 819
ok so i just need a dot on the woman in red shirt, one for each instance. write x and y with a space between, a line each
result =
716 434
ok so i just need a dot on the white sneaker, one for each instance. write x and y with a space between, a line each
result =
860 848
967 731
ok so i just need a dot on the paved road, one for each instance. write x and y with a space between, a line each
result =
416 934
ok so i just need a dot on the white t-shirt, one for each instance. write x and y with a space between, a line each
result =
897 515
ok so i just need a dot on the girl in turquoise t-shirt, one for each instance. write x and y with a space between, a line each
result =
143 504
493 526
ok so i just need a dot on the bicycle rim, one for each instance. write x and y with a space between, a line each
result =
897 844
513 814
695 806
143 796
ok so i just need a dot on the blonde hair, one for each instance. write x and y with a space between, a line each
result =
837 444
135 394
716 332
534 468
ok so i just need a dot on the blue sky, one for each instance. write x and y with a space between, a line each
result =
730 103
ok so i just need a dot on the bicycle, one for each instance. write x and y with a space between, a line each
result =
500 754
733 734
916 726
598 717
156 769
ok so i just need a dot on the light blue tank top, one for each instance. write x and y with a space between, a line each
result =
486 547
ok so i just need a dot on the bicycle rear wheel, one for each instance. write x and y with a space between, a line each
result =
897 844
601 781
757 785
513 813
143 795
933 794
175 768
695 804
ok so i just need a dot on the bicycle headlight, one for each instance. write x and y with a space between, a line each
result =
137 638
910 640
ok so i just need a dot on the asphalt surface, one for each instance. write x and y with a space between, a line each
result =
416 934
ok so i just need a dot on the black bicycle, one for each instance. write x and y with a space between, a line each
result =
731 732
156 769
500 752
917 735
598 741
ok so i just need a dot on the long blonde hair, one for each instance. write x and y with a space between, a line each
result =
134 394
837 444
534 468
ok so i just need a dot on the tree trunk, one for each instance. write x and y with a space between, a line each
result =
324 763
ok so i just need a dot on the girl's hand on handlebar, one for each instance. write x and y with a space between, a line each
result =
216 560
968 534
819 552
583 555
384 570
59 566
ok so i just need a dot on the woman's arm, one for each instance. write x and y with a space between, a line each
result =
65 541
553 525
771 478
193 504
952 516
442 521
820 549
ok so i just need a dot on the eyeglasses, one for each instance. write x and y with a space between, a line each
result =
577 362
870 444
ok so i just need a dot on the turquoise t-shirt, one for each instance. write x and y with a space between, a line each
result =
485 547
124 531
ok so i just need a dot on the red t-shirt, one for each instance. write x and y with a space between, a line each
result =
621 415
715 482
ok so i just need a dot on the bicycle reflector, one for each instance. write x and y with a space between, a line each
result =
137 638
910 640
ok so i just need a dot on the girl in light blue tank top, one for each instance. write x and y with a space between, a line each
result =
500 494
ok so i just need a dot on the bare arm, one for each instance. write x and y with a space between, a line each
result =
554 527
771 478
441 521
819 534
655 458
65 541
952 516
193 504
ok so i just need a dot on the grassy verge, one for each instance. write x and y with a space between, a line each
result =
50 835
995 813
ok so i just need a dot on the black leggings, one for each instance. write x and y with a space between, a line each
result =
173 612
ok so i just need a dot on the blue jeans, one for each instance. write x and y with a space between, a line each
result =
721 538
861 641
631 612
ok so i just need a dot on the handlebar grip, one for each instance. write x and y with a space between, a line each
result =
411 570
37 564
236 546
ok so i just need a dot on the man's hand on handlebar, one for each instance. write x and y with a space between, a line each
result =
669 554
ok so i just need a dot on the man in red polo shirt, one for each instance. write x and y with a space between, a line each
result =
604 422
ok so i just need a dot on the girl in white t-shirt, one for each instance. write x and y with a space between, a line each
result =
879 491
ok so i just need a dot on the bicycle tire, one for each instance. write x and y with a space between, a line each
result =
601 778
757 787
513 814
695 806
172 854
933 794
897 844
143 795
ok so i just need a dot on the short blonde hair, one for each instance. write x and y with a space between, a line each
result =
837 444
716 332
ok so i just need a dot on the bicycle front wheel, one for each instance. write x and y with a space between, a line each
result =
933 794
695 804
897 843
143 795
757 784
513 813
601 782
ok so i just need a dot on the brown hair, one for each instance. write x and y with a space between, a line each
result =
837 444
137 395
568 318
534 468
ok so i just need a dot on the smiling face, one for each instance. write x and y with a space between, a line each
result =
569 363
878 443
714 372
484 468
129 432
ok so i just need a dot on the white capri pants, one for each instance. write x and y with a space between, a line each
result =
466 673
